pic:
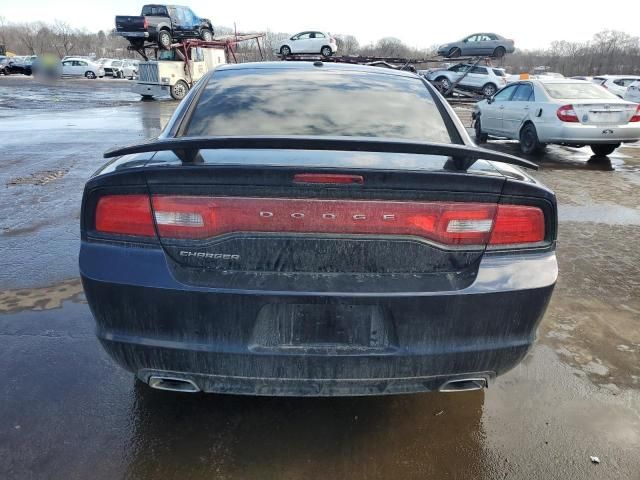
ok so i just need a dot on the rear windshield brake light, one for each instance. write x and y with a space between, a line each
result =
446 223
328 178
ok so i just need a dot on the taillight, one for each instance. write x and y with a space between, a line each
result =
125 215
636 116
146 23
566 113
517 224
446 223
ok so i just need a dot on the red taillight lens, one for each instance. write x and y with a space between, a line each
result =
125 215
447 223
516 224
146 23
636 116
203 217
566 113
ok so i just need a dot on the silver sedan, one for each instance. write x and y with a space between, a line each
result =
561 111
478 44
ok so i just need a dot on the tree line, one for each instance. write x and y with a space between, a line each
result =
608 52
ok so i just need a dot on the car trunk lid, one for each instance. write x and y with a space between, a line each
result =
252 220
604 113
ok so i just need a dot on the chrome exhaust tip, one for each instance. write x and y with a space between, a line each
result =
173 384
464 385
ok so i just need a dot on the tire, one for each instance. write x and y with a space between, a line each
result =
489 90
326 51
455 52
604 150
179 90
206 35
499 52
90 75
481 137
285 50
529 143
164 39
444 84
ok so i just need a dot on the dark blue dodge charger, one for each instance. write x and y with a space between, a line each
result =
315 229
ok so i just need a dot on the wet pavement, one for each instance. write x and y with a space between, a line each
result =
68 412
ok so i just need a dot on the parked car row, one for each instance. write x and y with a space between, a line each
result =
559 111
17 65
119 68
72 66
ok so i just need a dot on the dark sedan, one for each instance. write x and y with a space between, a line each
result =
10 66
314 229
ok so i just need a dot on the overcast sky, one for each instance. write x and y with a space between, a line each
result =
532 24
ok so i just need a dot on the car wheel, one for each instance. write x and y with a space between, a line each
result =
285 51
604 150
206 35
179 90
326 51
90 75
481 137
444 84
499 52
454 53
529 143
164 39
489 90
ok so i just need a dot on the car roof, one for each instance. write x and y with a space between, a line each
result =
326 66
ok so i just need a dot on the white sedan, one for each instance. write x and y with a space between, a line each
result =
561 111
73 67
311 42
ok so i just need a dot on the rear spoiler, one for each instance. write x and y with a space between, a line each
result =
187 149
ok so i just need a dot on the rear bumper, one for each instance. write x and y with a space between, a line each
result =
153 325
142 35
588 134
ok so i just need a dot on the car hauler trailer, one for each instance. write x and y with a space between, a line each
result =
176 70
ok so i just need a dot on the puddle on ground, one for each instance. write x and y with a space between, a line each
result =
45 298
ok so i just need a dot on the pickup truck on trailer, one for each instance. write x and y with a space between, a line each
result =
163 24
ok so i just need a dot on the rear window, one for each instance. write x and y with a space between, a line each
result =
316 102
156 10
579 91
498 72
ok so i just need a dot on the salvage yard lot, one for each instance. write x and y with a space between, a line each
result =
69 411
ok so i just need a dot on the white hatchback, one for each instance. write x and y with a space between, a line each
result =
311 42
560 111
